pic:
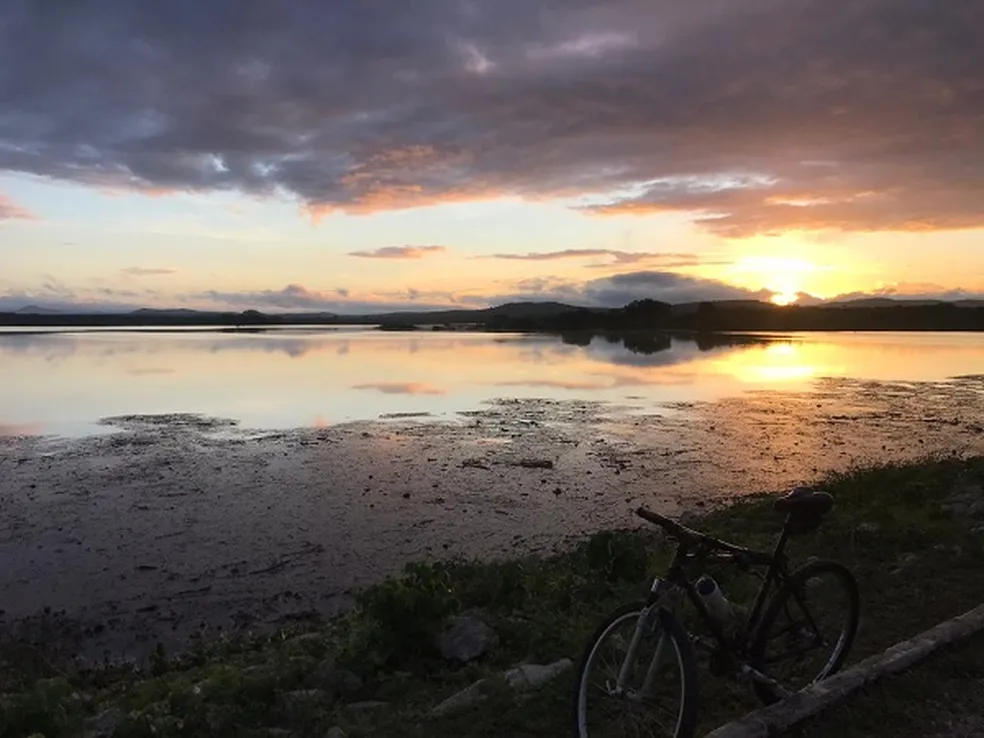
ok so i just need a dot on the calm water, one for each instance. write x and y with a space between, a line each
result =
64 382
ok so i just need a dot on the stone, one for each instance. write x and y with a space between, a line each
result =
325 674
690 519
347 683
530 676
335 732
367 706
306 638
104 724
301 702
466 638
967 500
523 678
470 695
868 528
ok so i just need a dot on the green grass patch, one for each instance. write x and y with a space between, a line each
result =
915 565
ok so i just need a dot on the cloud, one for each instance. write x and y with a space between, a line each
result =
147 271
399 252
615 258
401 388
618 290
621 289
9 210
752 116
914 291
297 297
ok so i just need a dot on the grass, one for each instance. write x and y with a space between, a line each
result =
915 565
943 696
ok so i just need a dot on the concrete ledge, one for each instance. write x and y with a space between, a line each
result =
772 720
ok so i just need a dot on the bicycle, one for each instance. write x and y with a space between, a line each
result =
740 638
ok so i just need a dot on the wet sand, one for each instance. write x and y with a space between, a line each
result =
176 524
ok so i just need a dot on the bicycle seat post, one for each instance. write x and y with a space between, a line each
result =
780 546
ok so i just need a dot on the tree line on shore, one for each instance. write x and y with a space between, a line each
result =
644 314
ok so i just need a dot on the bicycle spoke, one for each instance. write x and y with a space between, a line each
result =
630 712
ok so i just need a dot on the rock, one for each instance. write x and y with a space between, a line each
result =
967 500
868 528
466 638
522 678
104 724
530 676
367 706
347 683
335 732
301 702
279 733
470 695
690 519
325 674
306 638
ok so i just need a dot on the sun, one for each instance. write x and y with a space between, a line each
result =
784 298
785 278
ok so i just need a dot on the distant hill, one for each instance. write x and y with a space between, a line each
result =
509 310
868 313
36 310
878 302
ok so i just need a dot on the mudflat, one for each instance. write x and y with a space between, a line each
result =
175 524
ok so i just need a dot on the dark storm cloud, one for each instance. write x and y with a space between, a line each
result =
399 252
753 115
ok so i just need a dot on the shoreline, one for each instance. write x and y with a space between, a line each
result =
173 524
372 670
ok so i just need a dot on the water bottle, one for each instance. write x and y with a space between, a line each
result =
715 601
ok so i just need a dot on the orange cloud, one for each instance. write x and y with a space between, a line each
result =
401 388
9 210
399 252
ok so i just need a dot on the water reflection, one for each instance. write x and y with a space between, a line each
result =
64 382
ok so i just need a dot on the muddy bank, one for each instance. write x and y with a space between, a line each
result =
178 523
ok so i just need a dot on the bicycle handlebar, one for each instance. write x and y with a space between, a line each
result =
689 537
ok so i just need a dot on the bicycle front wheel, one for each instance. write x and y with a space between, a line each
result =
807 629
635 680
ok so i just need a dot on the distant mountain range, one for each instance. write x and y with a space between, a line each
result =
875 313
512 309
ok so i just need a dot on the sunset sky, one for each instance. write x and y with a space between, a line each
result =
364 155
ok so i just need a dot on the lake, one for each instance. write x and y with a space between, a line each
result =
62 382
166 516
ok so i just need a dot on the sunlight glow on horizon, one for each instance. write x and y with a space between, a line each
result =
167 251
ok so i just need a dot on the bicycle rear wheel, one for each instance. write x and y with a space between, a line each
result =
658 696
807 629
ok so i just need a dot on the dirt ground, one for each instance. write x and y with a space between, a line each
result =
177 524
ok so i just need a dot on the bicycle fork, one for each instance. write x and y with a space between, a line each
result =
647 622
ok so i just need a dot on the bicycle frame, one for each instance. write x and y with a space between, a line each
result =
661 597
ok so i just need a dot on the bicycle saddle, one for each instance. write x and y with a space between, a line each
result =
805 507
